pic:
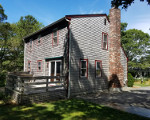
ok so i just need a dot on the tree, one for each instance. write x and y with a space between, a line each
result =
124 3
4 34
5 30
136 45
3 16
25 26
123 28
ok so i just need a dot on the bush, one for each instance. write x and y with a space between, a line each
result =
1 95
2 79
130 80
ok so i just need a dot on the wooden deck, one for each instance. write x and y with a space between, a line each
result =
29 84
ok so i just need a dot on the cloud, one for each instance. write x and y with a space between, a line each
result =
140 22
91 11
96 12
145 27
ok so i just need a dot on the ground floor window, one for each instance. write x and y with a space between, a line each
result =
39 65
83 67
29 66
98 68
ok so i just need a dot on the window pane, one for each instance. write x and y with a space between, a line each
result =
98 65
55 37
83 64
30 43
104 21
39 40
83 72
39 65
55 40
58 67
98 73
52 67
105 38
28 66
104 45
55 33
98 69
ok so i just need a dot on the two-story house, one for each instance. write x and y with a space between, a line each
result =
76 46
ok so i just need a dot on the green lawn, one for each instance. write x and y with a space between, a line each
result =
64 110
144 84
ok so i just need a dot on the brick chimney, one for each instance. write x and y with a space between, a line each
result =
115 67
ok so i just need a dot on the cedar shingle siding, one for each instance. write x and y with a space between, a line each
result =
86 43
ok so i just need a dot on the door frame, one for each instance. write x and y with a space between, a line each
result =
55 67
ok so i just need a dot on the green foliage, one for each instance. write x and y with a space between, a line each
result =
124 3
2 14
136 45
130 80
2 95
11 41
25 26
7 99
2 79
64 110
123 28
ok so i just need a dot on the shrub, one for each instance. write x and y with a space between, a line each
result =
130 80
1 95
2 79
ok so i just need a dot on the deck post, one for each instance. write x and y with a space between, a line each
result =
46 85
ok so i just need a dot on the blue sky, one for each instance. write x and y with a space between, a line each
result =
47 11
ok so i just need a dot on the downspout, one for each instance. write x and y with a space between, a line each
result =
24 54
69 40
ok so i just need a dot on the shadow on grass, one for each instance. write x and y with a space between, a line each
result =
64 110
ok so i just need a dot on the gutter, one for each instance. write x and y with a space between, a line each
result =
44 28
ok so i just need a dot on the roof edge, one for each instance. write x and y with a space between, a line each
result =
86 15
44 28
68 17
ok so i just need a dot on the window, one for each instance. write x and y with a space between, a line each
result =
105 41
98 68
105 21
30 44
39 65
55 38
39 40
29 66
84 68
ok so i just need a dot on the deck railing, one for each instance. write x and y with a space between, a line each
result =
27 84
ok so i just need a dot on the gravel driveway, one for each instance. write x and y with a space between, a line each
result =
138 97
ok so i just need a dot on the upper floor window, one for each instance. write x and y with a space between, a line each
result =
29 66
84 68
30 43
39 40
105 41
55 37
98 68
39 65
105 21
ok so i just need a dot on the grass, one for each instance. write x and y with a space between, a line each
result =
144 84
64 110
